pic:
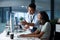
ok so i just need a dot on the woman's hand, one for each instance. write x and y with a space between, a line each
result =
23 35
26 27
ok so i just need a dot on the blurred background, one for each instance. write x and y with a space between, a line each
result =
19 8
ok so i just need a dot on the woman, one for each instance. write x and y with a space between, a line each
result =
43 31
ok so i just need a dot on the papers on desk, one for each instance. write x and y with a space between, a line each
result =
23 32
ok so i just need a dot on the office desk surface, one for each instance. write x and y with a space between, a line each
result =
3 36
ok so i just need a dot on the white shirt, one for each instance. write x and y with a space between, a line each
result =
45 28
34 17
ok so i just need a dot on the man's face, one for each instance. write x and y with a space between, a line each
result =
31 10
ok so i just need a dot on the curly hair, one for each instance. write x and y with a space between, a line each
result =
44 16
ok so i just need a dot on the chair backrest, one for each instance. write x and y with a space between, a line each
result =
52 31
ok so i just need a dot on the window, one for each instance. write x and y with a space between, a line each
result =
44 5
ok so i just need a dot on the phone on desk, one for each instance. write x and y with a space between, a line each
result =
20 27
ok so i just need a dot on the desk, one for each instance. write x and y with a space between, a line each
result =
3 36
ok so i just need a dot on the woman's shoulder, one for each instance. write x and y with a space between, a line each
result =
47 24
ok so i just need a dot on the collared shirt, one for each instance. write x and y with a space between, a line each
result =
45 28
34 18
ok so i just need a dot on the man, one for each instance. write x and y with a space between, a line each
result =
31 17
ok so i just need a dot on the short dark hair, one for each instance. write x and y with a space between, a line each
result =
32 5
44 16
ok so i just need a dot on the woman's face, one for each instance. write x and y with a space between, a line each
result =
39 16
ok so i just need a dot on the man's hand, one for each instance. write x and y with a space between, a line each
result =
26 26
24 22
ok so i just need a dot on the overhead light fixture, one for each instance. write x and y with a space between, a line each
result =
22 6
